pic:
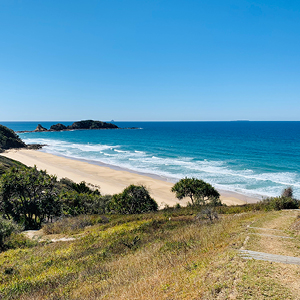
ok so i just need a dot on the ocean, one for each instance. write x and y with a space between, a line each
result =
257 159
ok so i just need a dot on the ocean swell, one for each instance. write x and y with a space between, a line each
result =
224 174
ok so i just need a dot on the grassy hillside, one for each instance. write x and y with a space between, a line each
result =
170 254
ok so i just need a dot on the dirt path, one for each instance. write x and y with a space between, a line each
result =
272 240
291 260
41 237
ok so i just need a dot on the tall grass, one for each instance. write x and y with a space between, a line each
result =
131 257
170 254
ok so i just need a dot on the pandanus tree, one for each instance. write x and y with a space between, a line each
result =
197 190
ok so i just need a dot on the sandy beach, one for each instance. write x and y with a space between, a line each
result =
109 180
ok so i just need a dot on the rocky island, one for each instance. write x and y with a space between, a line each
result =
80 125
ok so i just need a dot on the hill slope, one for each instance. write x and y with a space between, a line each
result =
166 255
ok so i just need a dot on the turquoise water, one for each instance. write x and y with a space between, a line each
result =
252 158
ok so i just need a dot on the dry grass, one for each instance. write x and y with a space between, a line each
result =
143 257
285 224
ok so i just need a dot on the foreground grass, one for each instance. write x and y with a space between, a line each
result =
153 256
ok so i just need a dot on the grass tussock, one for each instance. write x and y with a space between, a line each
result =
72 225
165 255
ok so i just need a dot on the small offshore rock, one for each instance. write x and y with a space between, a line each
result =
40 128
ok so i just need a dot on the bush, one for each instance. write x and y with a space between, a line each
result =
133 200
19 240
278 203
208 213
74 203
82 188
7 228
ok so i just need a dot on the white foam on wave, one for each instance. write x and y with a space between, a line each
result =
60 144
92 148
120 151
141 152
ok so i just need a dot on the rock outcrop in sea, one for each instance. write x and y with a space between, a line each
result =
91 124
58 127
40 128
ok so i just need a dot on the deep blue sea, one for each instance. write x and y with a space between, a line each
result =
252 158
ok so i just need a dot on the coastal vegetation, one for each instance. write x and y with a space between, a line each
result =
28 196
7 227
6 164
133 200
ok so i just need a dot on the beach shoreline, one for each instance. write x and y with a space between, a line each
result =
111 179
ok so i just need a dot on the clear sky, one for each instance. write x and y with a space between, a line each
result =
125 60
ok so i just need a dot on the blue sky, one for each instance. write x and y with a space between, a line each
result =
149 60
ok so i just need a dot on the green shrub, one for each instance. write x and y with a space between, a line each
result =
74 203
81 188
278 203
19 240
208 213
7 228
133 200
28 196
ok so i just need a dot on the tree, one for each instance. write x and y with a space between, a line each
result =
28 196
197 190
133 200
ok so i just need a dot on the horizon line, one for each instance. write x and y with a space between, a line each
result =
158 120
